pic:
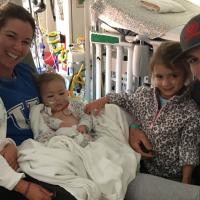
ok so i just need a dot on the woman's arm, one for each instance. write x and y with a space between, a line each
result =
8 176
11 179
32 191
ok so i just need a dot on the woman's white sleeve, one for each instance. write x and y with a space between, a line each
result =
8 176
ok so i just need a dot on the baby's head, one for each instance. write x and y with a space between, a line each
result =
169 75
53 90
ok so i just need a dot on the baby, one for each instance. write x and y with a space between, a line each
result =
57 115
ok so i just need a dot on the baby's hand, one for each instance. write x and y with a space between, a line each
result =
82 129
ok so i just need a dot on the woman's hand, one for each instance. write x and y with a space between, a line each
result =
96 106
33 191
140 143
9 152
36 192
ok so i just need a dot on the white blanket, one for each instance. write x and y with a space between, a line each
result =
100 171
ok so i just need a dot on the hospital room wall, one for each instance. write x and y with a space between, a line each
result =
69 19
77 20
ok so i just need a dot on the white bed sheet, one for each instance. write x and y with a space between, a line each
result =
173 34
129 15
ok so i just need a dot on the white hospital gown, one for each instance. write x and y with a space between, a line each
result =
77 110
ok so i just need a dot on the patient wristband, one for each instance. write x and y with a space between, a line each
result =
134 126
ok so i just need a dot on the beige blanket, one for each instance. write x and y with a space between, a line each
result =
130 15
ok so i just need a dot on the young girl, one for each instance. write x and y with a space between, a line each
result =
165 113
56 115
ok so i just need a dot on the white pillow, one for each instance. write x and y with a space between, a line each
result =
162 6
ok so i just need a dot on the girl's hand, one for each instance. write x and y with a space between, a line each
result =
187 174
10 154
96 106
140 143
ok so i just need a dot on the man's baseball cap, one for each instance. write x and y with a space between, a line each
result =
190 35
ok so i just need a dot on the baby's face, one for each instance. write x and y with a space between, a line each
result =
54 95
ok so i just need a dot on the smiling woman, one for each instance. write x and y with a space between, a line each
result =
18 92
15 40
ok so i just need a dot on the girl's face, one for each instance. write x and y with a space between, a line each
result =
193 58
54 95
168 81
15 40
